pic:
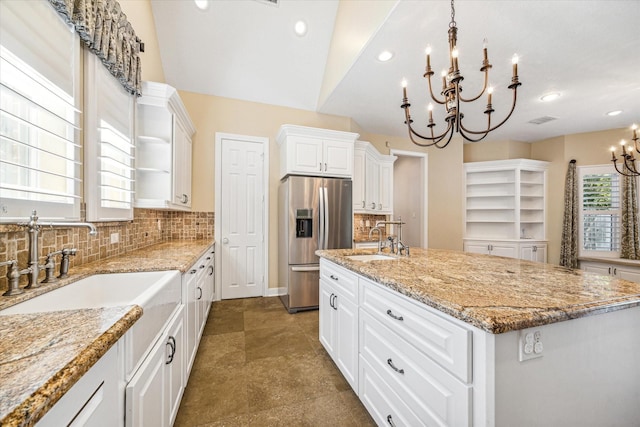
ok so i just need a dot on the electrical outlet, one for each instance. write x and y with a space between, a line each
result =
367 223
530 344
159 225
115 237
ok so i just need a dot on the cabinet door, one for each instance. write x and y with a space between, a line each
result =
359 181
189 284
145 394
347 339
540 253
627 273
338 158
594 267
327 317
386 188
503 249
372 186
477 247
201 300
175 376
305 155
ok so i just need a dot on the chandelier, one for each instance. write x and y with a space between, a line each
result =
452 99
628 160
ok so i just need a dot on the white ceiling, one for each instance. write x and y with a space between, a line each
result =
246 49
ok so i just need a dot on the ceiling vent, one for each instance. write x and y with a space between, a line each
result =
541 120
270 2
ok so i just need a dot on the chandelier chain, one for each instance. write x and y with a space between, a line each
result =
453 16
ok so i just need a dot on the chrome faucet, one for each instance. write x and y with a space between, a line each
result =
33 267
376 228
396 245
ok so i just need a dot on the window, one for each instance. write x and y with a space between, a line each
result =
109 148
599 188
40 164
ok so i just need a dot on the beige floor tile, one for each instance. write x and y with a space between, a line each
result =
268 317
275 341
278 381
262 303
220 351
223 322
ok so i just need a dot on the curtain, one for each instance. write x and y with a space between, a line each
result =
105 30
569 245
629 233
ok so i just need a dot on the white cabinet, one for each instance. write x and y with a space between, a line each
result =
505 201
153 395
339 318
164 149
197 286
95 400
372 180
619 270
315 152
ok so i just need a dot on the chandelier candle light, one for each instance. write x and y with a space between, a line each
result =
452 99
628 159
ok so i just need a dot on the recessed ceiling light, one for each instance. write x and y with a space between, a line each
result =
300 28
614 113
202 4
550 96
385 55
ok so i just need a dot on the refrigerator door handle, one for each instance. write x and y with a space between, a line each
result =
326 217
312 268
321 210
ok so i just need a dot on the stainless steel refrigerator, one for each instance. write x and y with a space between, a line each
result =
314 213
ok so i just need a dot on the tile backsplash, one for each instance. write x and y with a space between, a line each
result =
360 227
149 226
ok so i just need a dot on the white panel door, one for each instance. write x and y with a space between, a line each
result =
242 225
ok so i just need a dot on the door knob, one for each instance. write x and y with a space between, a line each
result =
225 241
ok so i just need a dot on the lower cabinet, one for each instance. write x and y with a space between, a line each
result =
339 319
620 271
529 250
153 395
412 366
95 400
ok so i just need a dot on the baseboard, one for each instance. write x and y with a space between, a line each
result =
274 292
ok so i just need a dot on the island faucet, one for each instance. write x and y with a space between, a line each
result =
33 227
376 228
400 247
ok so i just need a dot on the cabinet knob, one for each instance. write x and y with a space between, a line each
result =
225 241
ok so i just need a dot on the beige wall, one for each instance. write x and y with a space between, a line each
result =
586 148
139 14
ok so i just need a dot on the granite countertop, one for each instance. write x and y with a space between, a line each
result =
495 294
42 355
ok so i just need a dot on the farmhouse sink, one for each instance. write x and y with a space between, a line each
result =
370 257
157 292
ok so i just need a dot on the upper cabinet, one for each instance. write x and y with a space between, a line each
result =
372 180
163 144
315 152
505 203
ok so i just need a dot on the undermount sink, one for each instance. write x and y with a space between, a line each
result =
370 257
157 292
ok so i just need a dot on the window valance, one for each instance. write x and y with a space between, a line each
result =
105 30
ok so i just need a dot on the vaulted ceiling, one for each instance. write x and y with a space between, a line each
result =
589 51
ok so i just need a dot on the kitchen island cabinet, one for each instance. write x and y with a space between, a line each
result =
455 338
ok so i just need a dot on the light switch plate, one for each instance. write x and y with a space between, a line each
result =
115 237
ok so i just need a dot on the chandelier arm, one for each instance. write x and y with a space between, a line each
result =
484 88
513 106
630 165
435 140
431 92
622 172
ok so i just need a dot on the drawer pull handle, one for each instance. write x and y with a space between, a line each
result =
390 363
334 277
171 342
390 421
390 313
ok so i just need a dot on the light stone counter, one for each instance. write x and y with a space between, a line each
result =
495 294
43 355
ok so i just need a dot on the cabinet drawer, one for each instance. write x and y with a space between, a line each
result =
433 394
384 406
443 341
345 280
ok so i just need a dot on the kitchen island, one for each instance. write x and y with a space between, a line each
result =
494 341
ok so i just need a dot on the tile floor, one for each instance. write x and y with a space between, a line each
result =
258 365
